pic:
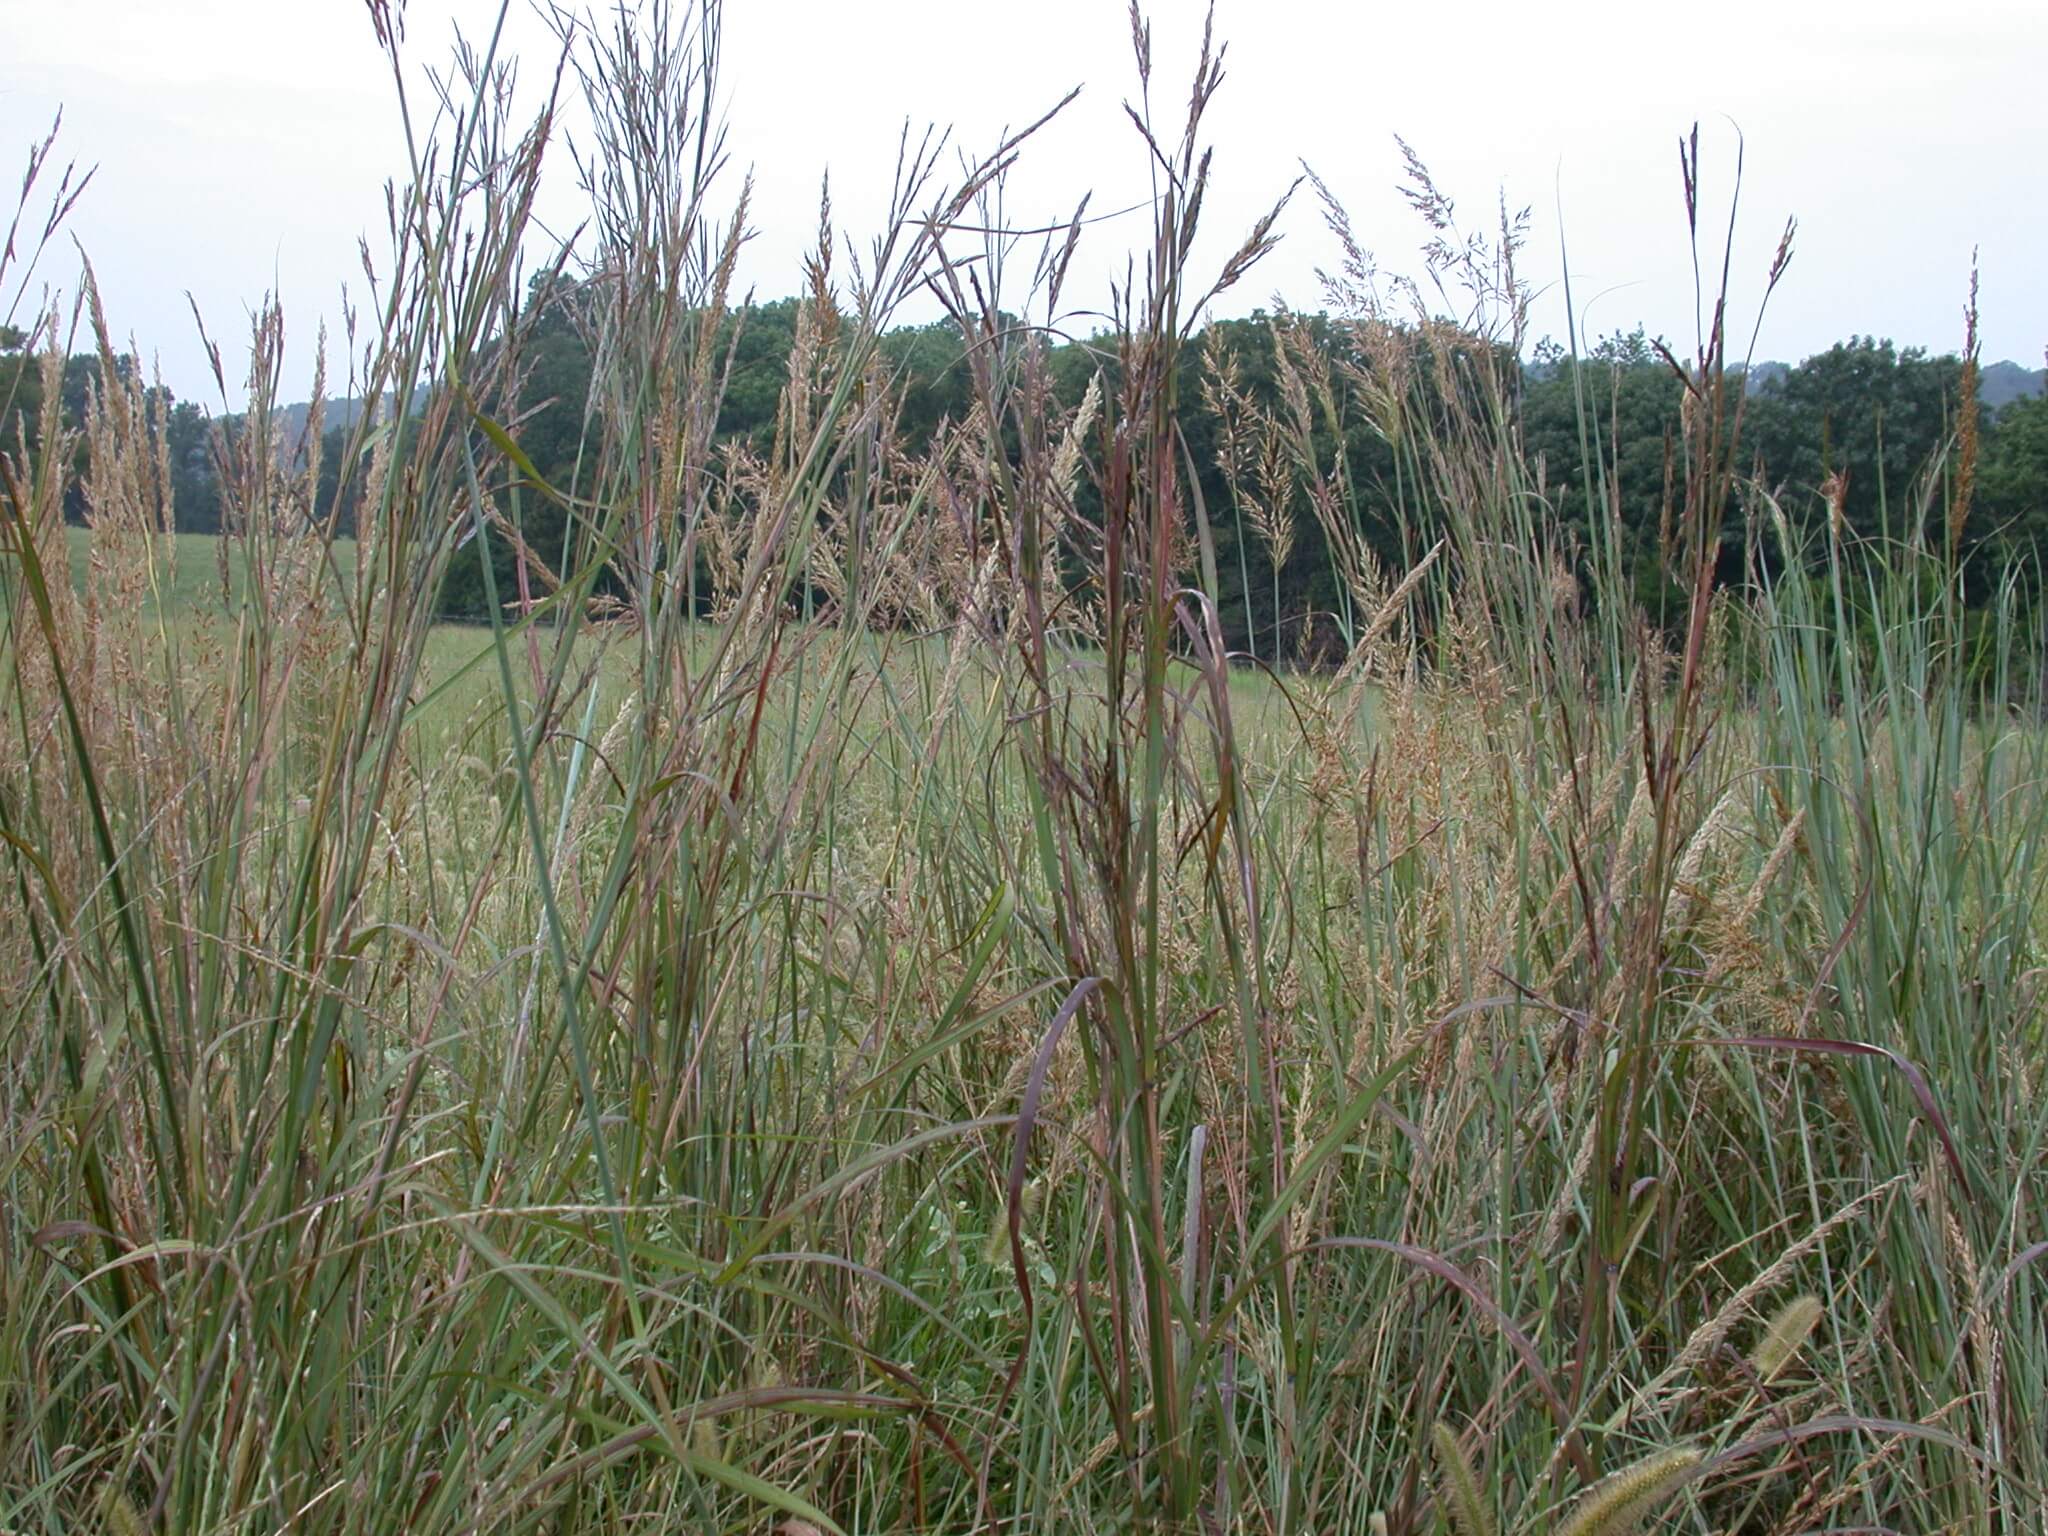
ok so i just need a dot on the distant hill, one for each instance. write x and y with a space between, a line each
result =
2002 383
1763 375
1999 384
291 419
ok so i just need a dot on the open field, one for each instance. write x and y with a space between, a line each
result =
193 602
867 1019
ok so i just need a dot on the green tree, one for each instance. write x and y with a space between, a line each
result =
549 420
21 390
195 488
930 366
760 367
2010 516
1604 430
1876 414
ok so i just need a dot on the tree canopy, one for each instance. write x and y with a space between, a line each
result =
1865 421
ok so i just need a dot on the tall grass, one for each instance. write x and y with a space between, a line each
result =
873 1020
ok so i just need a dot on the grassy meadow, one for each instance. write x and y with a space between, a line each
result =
863 1017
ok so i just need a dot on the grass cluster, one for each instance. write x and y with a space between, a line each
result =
844 1009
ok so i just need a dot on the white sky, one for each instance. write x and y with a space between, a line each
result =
243 144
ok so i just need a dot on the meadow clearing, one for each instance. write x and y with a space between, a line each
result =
863 1017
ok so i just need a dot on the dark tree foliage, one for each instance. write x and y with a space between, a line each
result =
759 369
549 420
21 390
195 486
2010 514
1280 613
931 363
1603 433
1873 414
1866 419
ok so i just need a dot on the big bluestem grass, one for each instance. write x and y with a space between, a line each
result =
843 1006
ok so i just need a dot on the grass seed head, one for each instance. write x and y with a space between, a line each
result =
1784 1336
1458 1484
1619 1504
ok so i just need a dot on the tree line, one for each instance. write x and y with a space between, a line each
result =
1865 432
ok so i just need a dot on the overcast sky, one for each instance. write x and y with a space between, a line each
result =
242 145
